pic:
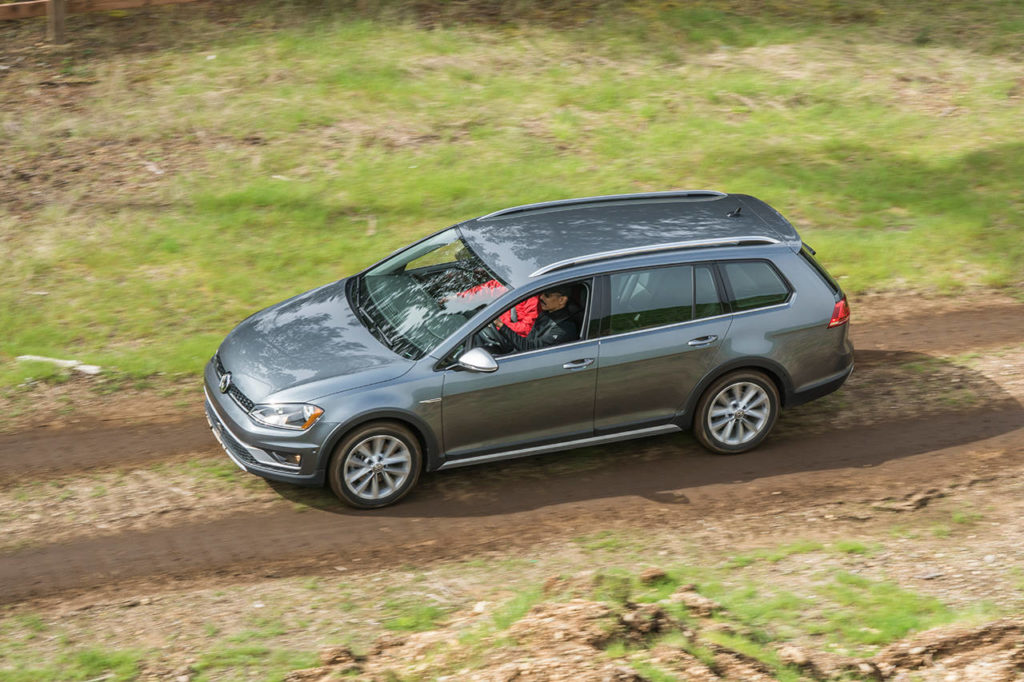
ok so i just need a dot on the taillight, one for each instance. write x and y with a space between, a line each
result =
840 314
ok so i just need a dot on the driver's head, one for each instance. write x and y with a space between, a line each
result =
554 299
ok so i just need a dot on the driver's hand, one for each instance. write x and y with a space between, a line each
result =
498 324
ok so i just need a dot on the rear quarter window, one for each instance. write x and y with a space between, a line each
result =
754 284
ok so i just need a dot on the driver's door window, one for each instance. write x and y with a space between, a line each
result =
541 320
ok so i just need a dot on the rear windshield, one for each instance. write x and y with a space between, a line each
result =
812 261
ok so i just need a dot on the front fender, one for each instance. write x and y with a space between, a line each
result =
428 439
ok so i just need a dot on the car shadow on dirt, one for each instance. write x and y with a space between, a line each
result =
897 404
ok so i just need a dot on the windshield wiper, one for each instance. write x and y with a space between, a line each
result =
378 331
367 319
354 293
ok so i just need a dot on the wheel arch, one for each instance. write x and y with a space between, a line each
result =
773 370
428 442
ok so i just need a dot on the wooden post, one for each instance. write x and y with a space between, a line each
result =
55 10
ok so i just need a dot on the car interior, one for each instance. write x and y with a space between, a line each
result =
490 340
648 298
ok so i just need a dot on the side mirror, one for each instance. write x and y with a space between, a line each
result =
477 360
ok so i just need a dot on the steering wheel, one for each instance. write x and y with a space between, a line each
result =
491 340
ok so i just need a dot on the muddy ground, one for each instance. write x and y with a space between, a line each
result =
143 509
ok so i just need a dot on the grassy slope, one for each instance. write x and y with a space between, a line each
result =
301 154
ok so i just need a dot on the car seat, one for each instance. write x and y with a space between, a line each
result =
577 305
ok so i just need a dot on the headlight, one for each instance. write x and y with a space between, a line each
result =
286 416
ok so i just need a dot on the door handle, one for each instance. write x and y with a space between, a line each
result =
702 341
579 364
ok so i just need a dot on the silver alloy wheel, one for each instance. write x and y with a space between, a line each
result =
739 413
377 466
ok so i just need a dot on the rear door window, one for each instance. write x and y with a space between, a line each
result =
707 302
641 299
754 284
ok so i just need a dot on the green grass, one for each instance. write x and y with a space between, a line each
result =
894 156
965 517
617 649
517 607
774 554
266 629
613 585
701 653
602 540
757 651
213 469
855 613
31 622
870 612
619 586
411 617
82 665
27 372
774 614
243 662
855 547
652 672
1018 578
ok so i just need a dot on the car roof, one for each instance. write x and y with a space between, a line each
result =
526 241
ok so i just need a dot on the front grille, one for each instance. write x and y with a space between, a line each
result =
236 394
240 398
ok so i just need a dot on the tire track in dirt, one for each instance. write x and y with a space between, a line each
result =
43 452
675 485
955 331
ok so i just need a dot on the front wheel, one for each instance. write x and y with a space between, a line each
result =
375 465
736 412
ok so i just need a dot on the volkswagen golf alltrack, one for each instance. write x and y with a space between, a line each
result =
532 330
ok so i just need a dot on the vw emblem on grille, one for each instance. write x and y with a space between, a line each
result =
225 382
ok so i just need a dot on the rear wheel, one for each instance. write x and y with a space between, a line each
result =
736 412
375 465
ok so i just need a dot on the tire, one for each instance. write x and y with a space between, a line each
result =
748 400
375 465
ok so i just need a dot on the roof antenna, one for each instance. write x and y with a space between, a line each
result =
734 213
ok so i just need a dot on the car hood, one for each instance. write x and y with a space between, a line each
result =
306 347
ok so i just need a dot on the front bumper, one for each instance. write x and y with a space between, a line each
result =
261 450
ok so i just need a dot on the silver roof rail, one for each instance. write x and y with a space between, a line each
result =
676 194
653 248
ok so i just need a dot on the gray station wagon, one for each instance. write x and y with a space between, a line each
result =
530 330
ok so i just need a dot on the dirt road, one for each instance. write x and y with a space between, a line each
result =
659 481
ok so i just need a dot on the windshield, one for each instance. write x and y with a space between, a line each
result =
417 298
